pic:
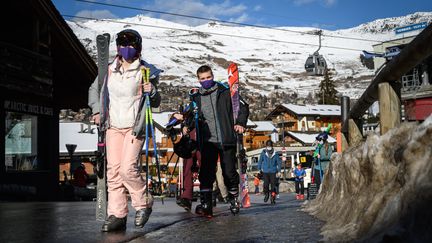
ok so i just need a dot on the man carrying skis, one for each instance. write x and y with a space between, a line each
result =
269 164
116 107
217 137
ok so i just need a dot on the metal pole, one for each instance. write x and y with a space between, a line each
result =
283 144
345 107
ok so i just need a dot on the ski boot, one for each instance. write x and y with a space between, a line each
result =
235 204
205 208
273 198
185 203
266 196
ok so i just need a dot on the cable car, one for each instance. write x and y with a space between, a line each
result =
316 64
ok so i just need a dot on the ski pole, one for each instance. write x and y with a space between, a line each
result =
154 146
149 122
144 76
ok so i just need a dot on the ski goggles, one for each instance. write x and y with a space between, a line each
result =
128 39
193 91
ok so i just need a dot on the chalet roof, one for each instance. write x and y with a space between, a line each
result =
70 133
323 110
264 126
305 110
250 124
307 138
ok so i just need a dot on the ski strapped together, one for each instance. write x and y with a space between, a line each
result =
102 44
233 81
158 189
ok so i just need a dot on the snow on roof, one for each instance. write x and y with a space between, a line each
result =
70 133
250 123
309 138
162 118
264 126
324 110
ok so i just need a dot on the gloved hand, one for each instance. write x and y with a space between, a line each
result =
278 175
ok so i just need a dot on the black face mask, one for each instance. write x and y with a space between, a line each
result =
269 151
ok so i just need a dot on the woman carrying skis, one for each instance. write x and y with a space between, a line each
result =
118 110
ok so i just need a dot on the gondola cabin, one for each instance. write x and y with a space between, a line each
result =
315 64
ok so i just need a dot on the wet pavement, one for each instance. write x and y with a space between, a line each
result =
75 222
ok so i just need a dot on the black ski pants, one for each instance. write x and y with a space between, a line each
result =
207 174
269 178
299 187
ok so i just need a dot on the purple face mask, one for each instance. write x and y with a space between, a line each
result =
207 84
128 53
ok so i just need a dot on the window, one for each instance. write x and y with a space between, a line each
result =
21 142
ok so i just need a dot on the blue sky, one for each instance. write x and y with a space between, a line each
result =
326 14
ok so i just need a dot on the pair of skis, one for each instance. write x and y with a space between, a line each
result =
102 44
233 81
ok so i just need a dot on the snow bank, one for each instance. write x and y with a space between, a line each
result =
380 190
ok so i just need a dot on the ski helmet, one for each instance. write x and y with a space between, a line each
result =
322 136
129 37
269 143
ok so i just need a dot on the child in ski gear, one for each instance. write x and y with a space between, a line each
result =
270 164
118 111
323 157
217 137
256 184
299 174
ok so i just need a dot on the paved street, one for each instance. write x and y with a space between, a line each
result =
74 222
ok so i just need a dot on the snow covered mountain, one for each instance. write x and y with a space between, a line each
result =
265 66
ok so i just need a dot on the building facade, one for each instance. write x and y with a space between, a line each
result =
309 119
43 69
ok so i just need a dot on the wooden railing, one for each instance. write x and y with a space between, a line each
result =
386 87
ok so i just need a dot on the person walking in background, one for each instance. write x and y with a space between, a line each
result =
118 111
269 164
323 158
190 165
256 183
80 176
299 174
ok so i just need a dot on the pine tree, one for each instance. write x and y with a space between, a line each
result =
327 91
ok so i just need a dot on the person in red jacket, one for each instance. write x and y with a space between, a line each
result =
80 176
